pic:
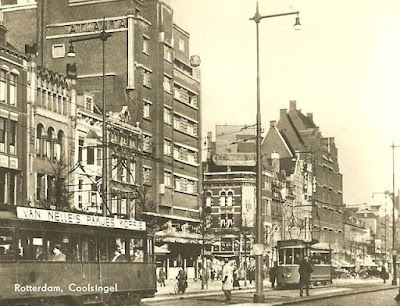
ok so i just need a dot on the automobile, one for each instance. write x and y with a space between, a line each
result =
340 273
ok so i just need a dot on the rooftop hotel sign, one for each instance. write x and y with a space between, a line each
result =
29 213
93 26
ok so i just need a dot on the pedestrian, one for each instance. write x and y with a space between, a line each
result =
161 277
182 281
305 270
227 280
272 276
236 283
58 255
384 274
212 274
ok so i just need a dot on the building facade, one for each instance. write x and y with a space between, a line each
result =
148 69
13 123
295 132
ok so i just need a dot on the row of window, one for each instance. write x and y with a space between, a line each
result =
181 94
181 184
8 136
48 145
8 87
51 101
39 245
123 170
225 199
180 153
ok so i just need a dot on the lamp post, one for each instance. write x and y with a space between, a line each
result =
258 296
103 36
394 281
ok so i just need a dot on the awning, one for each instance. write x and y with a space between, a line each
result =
160 250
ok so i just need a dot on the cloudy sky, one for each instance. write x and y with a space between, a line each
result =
342 66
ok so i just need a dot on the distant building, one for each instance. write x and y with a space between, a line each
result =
230 194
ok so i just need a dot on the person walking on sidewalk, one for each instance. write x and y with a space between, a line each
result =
384 274
305 270
161 277
227 280
272 275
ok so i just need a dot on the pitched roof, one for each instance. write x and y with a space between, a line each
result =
308 122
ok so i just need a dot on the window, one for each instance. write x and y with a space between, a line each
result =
89 103
124 171
123 206
222 199
90 155
145 45
167 53
209 200
146 143
99 156
114 167
80 150
146 79
167 84
146 110
3 86
168 179
13 137
114 204
167 147
3 131
177 123
13 89
176 153
193 101
181 45
58 51
230 199
167 116
146 175
132 172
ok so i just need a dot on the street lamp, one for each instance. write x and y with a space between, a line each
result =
103 36
257 248
394 281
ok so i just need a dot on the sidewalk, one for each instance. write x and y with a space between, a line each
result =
195 286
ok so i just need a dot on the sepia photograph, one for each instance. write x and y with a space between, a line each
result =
200 152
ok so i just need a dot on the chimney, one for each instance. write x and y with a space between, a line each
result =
275 162
310 116
3 30
292 104
272 123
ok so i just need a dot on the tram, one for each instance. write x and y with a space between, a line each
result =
291 253
88 271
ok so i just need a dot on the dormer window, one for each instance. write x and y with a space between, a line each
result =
89 103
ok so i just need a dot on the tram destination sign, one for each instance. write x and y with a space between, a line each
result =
29 213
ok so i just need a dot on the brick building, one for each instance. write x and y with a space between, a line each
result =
230 190
148 69
13 123
296 132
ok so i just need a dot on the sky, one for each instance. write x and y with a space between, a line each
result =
342 66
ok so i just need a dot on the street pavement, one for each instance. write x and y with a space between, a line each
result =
214 296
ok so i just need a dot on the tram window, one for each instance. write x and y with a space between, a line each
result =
289 256
281 256
136 250
149 250
89 248
104 250
7 249
297 256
